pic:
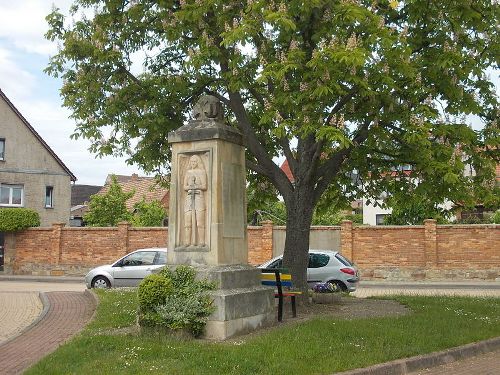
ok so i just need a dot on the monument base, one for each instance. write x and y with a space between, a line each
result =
242 303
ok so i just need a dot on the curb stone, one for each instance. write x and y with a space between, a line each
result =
43 279
407 365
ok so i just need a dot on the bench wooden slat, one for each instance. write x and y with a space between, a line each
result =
273 277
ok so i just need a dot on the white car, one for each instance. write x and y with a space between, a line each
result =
127 271
325 267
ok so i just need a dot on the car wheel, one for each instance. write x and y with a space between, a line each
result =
100 282
339 285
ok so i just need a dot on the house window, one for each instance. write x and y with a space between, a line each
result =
380 218
2 149
49 196
11 195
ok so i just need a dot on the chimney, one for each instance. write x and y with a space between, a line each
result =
134 177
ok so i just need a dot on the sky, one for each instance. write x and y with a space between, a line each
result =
24 53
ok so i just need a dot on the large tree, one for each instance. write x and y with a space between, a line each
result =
332 85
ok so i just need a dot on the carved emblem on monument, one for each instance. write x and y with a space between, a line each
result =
208 107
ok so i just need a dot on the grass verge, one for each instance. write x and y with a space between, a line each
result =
319 346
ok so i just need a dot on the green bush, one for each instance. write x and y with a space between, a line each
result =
15 219
176 300
472 219
496 217
153 291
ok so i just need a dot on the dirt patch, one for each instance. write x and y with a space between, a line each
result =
350 308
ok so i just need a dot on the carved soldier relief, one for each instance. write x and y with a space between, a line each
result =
193 174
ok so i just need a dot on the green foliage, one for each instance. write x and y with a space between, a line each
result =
148 214
107 210
176 300
473 219
153 291
496 217
15 219
414 212
273 210
335 218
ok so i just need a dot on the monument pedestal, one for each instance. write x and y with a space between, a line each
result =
242 303
207 220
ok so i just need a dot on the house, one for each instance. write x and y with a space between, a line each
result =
145 188
374 213
80 196
31 174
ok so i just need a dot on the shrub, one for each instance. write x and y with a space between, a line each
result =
14 219
472 219
149 214
153 291
176 300
496 217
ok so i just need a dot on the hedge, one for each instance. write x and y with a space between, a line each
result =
14 219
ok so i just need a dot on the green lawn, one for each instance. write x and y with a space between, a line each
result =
320 346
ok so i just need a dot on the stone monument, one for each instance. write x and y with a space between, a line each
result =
207 219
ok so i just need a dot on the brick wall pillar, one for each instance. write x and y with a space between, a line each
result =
9 252
346 239
57 242
267 239
123 236
430 243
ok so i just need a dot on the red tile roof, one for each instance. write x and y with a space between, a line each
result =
146 187
286 168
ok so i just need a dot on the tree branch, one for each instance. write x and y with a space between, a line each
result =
331 167
342 102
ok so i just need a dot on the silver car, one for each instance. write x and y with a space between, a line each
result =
127 271
326 267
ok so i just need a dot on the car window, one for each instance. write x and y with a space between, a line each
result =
162 258
141 258
318 260
343 260
278 263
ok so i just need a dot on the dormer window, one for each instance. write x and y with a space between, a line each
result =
2 149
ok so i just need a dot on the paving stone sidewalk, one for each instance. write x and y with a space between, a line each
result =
17 311
66 314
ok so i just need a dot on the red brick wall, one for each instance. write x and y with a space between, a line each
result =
469 246
74 250
34 246
260 243
407 252
388 246
424 252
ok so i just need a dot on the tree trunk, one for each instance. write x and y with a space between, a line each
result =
296 255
